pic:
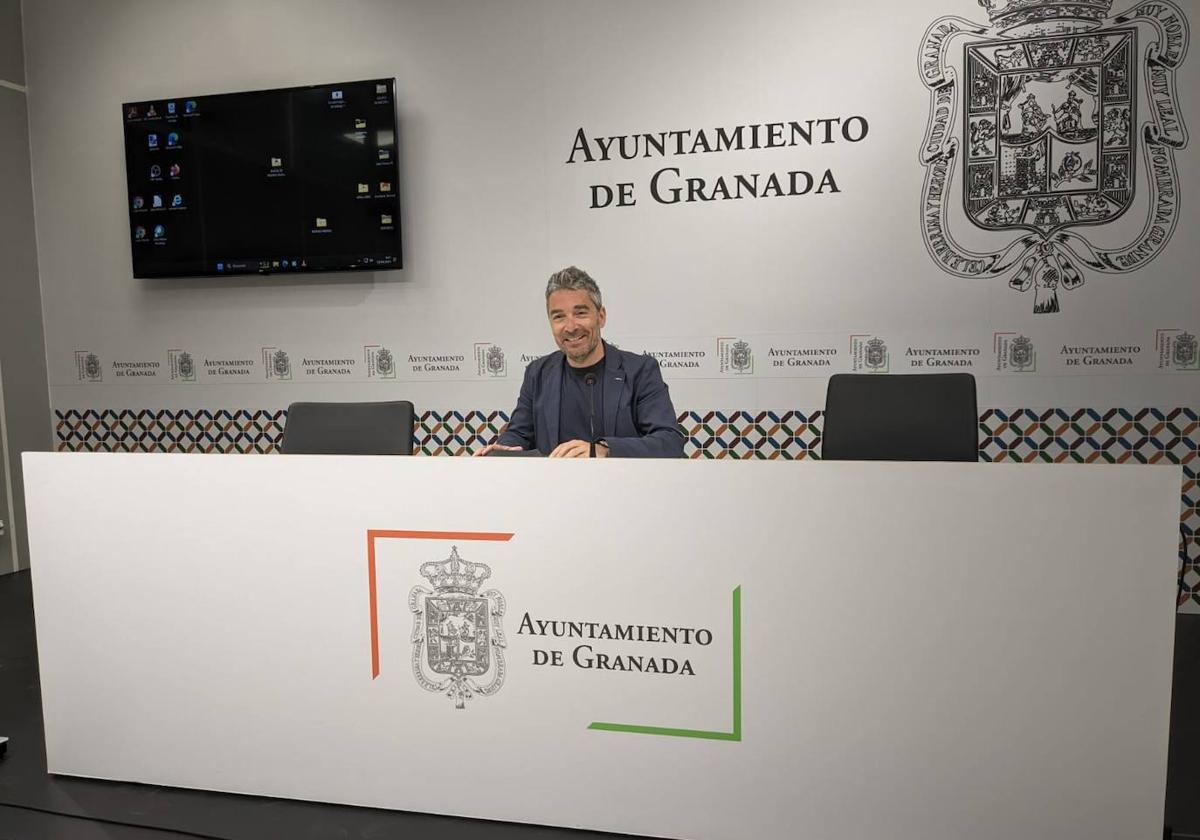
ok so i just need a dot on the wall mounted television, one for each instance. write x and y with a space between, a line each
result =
280 181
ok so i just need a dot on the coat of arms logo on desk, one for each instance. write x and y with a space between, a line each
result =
458 638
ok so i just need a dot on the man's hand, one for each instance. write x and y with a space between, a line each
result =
578 449
492 446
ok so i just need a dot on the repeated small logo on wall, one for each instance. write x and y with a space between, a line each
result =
876 354
1014 353
326 367
1100 357
182 366
88 366
381 364
1177 350
735 356
869 354
490 360
145 370
802 358
457 633
679 359
276 363
440 365
230 368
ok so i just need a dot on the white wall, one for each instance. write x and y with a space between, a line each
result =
490 97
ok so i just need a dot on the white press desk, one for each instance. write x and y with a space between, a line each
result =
911 651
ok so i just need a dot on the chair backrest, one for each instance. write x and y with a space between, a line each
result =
365 428
910 417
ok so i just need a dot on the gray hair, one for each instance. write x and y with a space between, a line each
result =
573 279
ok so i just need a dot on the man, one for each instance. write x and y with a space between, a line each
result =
590 390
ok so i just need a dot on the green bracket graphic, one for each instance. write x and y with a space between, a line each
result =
736 734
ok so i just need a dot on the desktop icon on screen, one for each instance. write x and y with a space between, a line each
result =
131 113
170 107
152 140
359 122
177 200
159 231
385 218
364 188
155 171
150 112
276 162
337 94
174 170
139 232
384 154
321 222
173 139
156 202
138 202
190 106
220 266
385 186
380 89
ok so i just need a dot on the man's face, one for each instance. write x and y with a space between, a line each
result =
576 325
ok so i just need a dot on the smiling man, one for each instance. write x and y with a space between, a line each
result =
590 395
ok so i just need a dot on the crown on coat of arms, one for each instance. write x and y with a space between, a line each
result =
1006 14
455 574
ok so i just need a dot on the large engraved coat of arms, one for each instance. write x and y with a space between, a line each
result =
458 640
1050 149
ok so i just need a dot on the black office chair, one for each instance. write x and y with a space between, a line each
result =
366 428
910 417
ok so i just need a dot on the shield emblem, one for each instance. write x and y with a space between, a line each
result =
739 356
91 366
1184 352
495 360
875 356
187 366
281 363
1020 354
1043 111
384 361
456 633
1048 131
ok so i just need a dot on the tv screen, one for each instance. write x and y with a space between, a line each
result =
274 181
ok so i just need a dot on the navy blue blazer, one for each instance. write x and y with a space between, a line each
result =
639 420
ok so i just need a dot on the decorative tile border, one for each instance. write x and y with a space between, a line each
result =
1116 435
149 430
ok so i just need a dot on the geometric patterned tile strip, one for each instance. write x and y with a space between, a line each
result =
1115 435
149 430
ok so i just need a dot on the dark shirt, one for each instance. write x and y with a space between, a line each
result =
574 412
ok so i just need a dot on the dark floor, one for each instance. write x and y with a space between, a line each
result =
94 810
